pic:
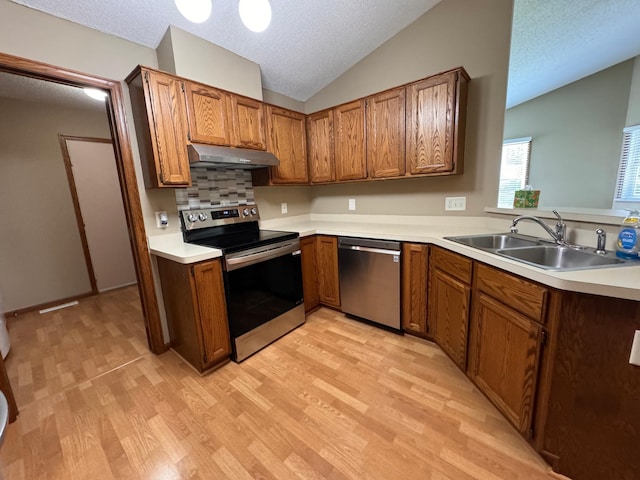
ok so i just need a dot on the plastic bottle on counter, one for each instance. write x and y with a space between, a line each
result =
628 244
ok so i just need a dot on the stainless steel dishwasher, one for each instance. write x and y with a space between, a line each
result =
370 279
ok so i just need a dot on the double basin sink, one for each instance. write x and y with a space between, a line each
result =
542 253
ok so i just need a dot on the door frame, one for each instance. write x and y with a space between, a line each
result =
126 176
76 201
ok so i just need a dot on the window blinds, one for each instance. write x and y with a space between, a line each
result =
628 183
514 169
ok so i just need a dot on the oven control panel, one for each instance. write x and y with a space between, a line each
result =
214 217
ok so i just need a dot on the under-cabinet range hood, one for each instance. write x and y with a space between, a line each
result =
211 156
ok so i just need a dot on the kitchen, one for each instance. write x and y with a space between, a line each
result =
484 55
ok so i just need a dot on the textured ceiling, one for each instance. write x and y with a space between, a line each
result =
308 44
311 42
556 42
29 89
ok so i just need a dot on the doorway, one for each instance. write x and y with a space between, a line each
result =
126 175
93 181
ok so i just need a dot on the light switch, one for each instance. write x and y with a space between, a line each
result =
283 208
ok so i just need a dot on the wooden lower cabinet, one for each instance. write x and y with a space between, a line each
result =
450 302
504 355
196 310
415 264
505 342
327 270
590 415
309 273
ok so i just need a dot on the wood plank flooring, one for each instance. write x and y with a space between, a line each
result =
335 399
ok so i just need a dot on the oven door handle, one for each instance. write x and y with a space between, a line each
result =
245 260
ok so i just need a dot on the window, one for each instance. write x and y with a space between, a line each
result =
514 169
628 183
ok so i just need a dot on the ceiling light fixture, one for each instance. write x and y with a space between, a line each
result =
196 11
95 94
255 14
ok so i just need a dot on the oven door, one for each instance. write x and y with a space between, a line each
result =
263 285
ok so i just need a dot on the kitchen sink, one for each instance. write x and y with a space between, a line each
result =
497 241
557 257
542 253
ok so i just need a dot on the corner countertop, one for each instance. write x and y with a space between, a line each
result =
623 282
172 247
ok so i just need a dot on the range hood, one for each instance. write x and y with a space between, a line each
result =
211 156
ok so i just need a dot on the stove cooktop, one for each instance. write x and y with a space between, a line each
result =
230 229
235 242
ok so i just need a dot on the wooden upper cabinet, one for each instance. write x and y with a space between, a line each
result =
249 130
161 127
350 142
208 114
321 147
287 140
435 124
385 134
415 264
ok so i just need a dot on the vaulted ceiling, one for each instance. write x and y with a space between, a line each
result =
310 42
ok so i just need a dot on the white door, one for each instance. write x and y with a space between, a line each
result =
93 166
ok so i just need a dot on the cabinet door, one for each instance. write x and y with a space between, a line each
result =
415 260
327 269
212 312
249 128
309 273
449 306
385 134
350 143
504 357
430 115
287 141
169 128
321 152
208 114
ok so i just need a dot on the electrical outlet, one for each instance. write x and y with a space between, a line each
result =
455 203
352 204
162 220
283 208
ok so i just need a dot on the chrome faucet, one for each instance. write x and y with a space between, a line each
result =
560 233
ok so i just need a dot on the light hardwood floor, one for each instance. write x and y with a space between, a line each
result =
335 399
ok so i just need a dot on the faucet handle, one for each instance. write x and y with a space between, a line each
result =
601 242
561 228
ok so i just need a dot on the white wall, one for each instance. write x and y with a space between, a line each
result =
191 57
41 255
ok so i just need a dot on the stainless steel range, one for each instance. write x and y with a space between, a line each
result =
262 274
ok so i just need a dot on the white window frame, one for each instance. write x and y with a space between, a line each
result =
628 179
514 180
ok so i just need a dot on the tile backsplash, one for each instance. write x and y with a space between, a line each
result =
216 188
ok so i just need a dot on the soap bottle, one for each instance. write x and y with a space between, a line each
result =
628 244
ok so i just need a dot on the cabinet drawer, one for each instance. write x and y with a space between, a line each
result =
527 298
455 265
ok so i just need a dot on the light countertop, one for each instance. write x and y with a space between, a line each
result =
621 282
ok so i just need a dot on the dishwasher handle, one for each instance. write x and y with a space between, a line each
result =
370 250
